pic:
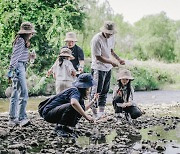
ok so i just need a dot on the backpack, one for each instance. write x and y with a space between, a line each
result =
42 105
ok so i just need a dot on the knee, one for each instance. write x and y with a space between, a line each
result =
136 114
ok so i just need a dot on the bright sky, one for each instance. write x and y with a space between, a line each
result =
133 10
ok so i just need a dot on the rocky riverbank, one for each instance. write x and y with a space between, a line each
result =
39 137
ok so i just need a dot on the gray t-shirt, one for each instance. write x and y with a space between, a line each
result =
101 46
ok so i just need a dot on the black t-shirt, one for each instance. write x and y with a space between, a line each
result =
78 54
63 98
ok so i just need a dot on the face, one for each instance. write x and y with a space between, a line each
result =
124 81
70 44
107 35
31 35
87 91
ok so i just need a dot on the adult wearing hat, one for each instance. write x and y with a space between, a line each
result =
102 47
123 95
66 108
17 74
77 52
63 70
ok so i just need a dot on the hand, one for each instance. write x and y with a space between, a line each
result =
80 69
119 93
73 73
89 118
96 97
122 62
128 104
9 80
114 64
49 72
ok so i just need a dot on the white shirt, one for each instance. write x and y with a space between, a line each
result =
64 71
101 46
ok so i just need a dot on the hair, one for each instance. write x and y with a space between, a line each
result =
25 37
128 88
83 92
61 60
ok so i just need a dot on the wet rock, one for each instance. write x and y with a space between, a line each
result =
160 148
19 146
3 133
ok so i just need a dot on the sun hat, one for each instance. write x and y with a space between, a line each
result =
66 52
70 36
26 28
108 27
125 74
84 80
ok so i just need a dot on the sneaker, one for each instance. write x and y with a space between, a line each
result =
13 122
61 132
100 115
24 122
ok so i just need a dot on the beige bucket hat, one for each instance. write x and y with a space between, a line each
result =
26 28
125 74
108 27
70 36
66 52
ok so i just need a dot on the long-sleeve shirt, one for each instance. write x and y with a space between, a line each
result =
20 53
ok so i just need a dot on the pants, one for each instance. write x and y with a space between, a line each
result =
64 114
103 79
61 85
19 96
134 111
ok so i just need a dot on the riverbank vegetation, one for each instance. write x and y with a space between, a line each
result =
153 37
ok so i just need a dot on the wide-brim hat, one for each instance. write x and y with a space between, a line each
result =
125 74
108 27
70 36
84 80
66 52
26 28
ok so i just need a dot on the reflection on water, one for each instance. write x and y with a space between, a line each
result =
171 138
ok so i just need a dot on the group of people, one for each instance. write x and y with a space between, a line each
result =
73 86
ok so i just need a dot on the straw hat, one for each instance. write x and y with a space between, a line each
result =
70 36
125 74
108 27
84 80
66 52
26 28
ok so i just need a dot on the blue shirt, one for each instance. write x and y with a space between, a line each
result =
64 97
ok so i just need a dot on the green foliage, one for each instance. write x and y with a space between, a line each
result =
155 38
52 19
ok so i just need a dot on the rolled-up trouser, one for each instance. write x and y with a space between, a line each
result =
64 114
133 110
103 80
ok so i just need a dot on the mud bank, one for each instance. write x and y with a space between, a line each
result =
111 135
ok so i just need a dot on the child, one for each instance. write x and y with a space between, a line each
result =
17 72
67 107
123 95
63 70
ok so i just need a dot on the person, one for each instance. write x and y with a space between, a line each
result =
102 47
77 52
17 74
123 95
66 108
63 70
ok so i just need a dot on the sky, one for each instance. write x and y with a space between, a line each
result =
133 10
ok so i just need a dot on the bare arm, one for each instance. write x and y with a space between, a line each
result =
75 104
122 62
81 67
105 60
